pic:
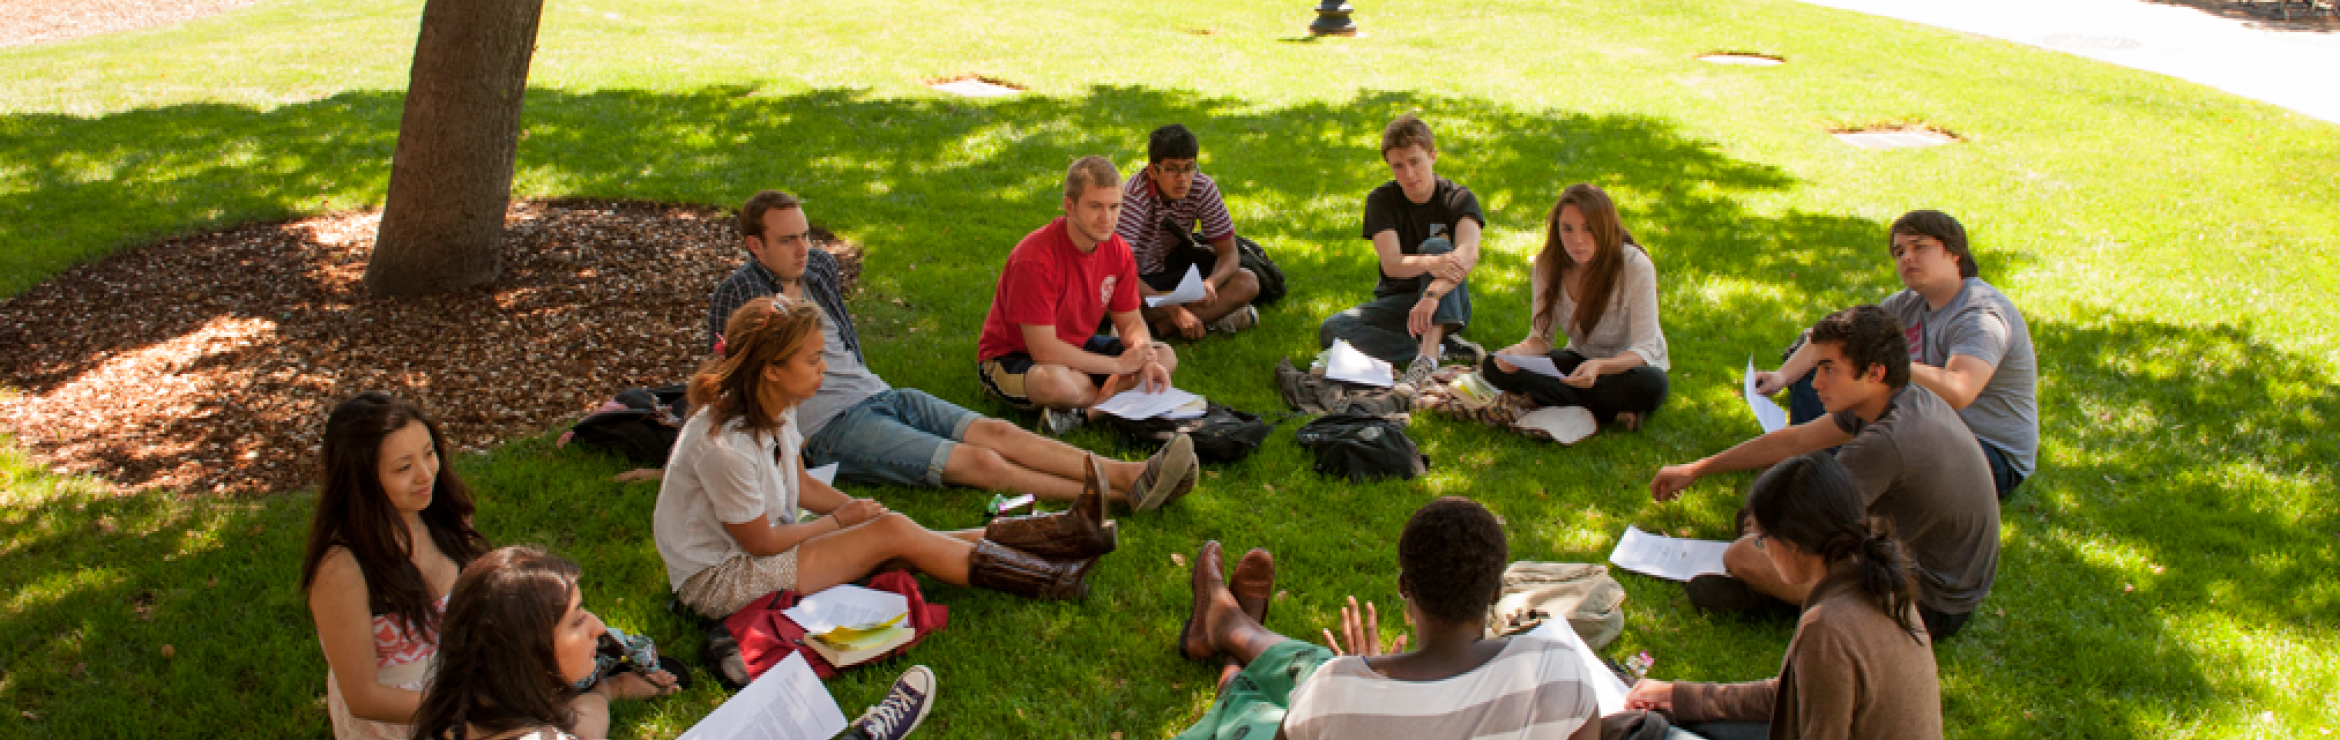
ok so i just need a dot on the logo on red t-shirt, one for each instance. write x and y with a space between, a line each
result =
1105 296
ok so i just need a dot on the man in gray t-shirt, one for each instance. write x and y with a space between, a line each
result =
1913 459
1967 343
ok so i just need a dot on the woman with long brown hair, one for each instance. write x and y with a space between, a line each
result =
1595 285
392 531
726 521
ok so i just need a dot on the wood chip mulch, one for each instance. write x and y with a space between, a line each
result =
207 363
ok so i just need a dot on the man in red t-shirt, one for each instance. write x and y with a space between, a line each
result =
1039 347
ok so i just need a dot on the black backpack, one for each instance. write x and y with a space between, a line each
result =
1222 434
643 432
1363 447
1248 254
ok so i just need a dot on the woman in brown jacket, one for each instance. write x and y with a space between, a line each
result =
1860 665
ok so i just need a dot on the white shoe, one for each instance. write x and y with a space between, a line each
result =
1057 423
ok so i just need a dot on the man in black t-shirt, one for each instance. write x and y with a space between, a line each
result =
1425 232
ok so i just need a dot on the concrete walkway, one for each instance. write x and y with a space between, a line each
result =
2293 67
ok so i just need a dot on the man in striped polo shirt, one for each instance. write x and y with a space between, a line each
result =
1160 208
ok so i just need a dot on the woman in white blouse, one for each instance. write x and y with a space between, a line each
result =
1593 283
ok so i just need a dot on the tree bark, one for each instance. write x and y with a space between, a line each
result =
451 175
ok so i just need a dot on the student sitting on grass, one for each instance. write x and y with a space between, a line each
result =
1967 343
726 521
882 435
1425 234
1860 665
392 530
1912 461
1167 201
1458 684
1597 286
517 640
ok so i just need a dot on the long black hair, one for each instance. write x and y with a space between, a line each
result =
1812 502
355 513
498 670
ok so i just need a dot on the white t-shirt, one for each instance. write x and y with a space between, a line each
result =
730 477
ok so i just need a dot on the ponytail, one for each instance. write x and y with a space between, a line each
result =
1886 573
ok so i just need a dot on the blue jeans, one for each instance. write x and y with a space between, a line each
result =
901 437
1804 405
1378 327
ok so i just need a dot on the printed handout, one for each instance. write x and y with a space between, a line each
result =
1670 558
788 702
1189 290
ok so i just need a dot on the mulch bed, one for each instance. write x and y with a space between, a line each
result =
207 363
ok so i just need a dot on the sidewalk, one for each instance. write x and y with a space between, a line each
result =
2293 67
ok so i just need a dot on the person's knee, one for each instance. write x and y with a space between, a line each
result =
990 432
1241 288
981 467
1165 355
1055 386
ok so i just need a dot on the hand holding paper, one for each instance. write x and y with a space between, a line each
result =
1767 412
1189 290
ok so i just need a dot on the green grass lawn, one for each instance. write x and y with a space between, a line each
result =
2167 573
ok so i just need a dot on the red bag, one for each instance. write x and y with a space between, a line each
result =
766 636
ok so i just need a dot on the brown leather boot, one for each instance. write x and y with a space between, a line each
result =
1004 569
1078 534
1254 584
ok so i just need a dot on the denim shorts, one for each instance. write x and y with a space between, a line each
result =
901 437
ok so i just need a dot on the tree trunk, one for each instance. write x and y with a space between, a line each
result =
451 175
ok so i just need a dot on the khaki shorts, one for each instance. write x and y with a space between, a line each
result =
731 585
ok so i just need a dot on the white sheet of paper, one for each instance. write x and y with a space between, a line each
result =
1538 364
1137 404
1189 290
1608 690
1767 412
825 474
1348 364
788 702
1567 424
846 605
1670 558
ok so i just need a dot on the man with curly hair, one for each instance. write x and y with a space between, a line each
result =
1916 464
1451 558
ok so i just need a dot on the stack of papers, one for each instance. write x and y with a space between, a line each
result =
846 606
1189 290
1669 558
1349 365
1170 403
